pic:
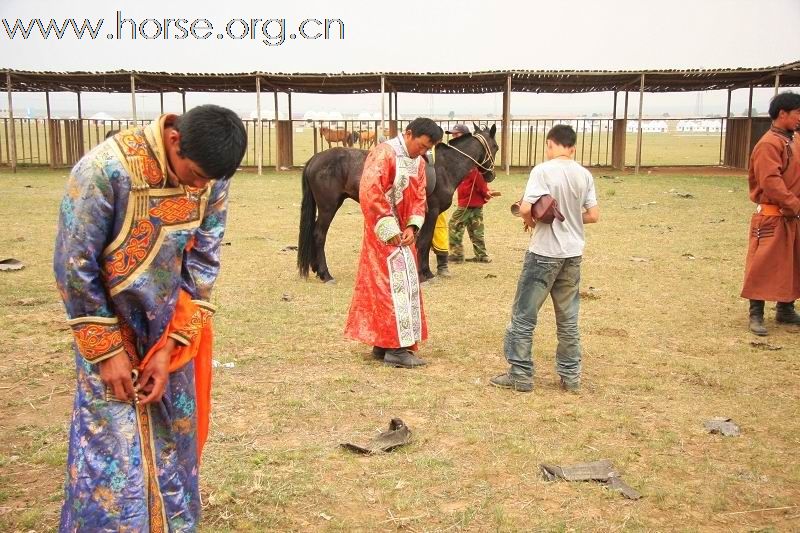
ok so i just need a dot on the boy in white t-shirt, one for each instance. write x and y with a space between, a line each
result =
552 264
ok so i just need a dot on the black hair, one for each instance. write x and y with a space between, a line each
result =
424 126
563 135
214 137
787 101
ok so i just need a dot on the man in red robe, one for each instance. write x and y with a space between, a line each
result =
386 311
772 268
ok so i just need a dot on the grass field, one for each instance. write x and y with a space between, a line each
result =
665 348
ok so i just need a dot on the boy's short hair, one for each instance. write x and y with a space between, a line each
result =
424 126
214 137
563 135
786 101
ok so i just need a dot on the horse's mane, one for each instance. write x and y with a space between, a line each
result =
458 140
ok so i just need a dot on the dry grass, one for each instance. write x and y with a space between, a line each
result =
665 348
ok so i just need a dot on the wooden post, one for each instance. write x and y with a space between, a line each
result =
289 96
51 146
12 140
390 106
383 102
161 98
506 155
749 124
625 110
133 98
723 125
277 151
80 127
614 111
777 82
639 128
395 106
258 133
183 100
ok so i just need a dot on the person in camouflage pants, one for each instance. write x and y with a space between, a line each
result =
471 219
473 193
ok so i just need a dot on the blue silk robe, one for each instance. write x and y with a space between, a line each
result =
127 243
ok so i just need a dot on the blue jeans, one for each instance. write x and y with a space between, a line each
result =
542 276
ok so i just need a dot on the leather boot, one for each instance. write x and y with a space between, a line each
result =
786 313
757 318
441 266
402 358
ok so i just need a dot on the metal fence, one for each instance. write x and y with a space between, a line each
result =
665 142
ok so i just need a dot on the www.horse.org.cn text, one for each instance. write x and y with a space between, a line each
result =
269 31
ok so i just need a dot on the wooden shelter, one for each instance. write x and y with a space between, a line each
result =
739 137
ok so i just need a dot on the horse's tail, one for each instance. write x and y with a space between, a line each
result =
306 247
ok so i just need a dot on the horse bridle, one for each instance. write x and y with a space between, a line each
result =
488 158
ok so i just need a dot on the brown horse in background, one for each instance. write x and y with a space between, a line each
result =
337 136
366 139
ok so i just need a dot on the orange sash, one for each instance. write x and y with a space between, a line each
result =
200 351
769 210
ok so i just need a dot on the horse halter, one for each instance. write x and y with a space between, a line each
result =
488 157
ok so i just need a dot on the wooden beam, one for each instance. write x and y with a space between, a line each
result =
506 155
133 97
383 102
725 124
12 141
625 110
51 146
749 125
289 96
614 111
258 133
777 82
639 129
80 127
183 100
161 98
277 154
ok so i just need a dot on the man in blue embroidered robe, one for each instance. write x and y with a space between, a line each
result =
136 256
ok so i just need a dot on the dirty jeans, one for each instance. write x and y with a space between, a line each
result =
542 276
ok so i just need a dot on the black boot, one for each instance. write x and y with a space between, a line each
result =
786 313
402 358
757 318
441 265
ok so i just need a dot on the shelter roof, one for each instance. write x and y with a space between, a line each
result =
536 81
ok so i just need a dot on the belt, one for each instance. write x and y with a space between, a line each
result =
769 210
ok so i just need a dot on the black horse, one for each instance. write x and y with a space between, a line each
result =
331 176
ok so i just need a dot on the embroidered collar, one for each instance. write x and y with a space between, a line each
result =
399 147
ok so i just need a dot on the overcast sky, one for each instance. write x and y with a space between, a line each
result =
462 35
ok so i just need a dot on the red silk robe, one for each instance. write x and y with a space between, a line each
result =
386 309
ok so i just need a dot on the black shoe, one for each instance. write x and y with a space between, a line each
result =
403 359
458 259
786 314
378 353
757 325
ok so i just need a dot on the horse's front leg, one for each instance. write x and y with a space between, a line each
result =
424 241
